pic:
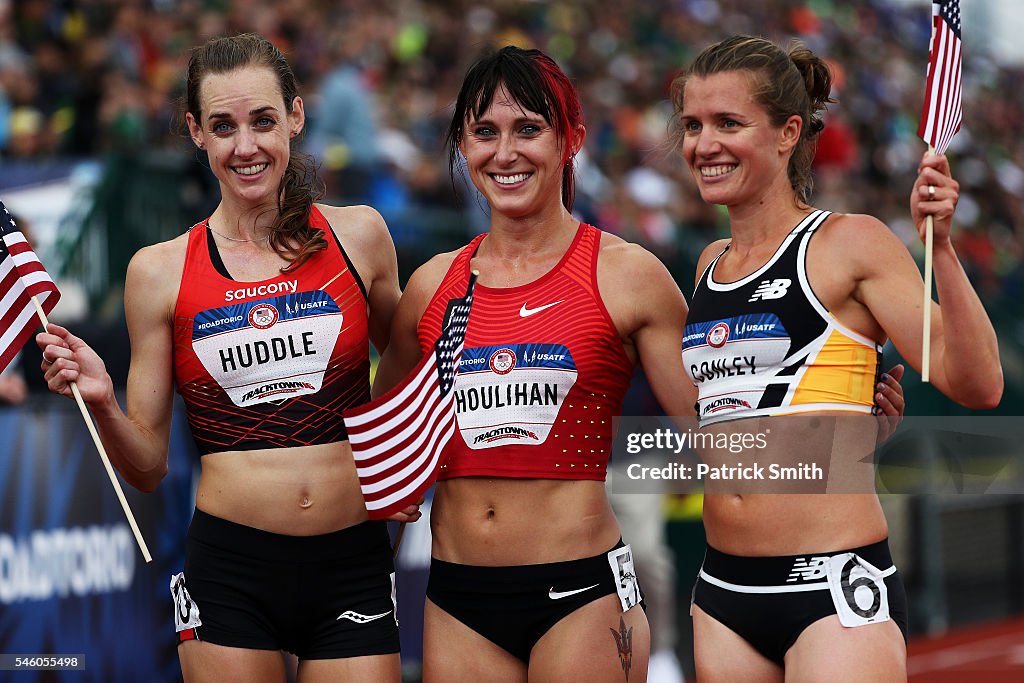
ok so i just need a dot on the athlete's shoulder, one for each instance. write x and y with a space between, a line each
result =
428 277
155 271
419 292
360 223
856 236
711 252
617 253
626 268
852 224
162 258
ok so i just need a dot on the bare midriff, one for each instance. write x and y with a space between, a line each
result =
301 491
488 521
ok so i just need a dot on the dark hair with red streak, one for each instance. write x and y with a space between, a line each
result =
537 84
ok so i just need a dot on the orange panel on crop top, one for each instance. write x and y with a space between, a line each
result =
543 371
271 363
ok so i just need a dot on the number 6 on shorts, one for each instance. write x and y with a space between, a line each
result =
858 590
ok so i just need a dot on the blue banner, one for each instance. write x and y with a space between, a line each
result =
72 578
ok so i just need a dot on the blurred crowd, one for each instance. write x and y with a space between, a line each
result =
84 78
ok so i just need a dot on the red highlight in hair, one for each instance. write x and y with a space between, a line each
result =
567 102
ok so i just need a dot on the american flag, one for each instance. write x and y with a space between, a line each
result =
941 116
22 276
397 439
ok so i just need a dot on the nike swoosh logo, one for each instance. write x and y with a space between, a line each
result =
525 312
558 595
361 618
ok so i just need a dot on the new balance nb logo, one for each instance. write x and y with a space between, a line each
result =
771 289
808 569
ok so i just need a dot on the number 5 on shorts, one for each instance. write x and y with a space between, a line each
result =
621 561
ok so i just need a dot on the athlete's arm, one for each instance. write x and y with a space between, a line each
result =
970 359
645 303
964 351
364 234
136 442
404 351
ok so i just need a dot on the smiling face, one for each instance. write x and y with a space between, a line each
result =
246 129
515 158
729 143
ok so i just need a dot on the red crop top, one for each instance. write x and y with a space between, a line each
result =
543 371
271 363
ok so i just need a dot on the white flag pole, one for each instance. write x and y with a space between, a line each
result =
926 330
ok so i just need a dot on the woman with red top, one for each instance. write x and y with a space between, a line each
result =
262 319
529 573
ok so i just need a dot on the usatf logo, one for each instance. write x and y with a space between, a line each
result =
805 569
718 335
771 289
503 361
263 316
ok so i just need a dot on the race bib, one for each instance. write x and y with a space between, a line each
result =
858 590
621 561
269 350
511 394
186 612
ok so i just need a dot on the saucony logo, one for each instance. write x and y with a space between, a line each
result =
558 595
361 618
525 312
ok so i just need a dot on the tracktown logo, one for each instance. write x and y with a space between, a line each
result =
805 569
505 433
771 289
289 287
725 404
277 388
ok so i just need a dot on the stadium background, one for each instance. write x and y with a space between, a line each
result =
91 162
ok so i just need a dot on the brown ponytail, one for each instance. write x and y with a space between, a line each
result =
796 82
291 234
